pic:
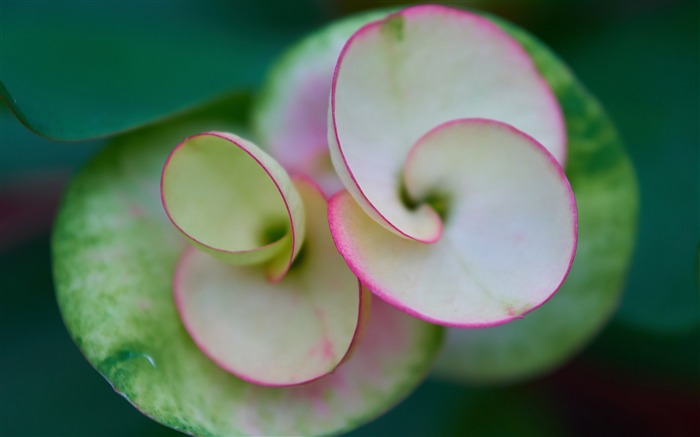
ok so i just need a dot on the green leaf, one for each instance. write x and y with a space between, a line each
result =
605 187
114 257
660 127
77 70
25 153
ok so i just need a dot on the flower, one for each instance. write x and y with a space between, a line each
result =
112 223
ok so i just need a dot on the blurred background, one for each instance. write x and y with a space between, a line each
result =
641 59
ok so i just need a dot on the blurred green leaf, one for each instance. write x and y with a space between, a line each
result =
672 359
25 154
31 330
605 187
646 74
73 70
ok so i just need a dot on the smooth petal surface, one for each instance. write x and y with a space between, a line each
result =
275 334
605 186
234 201
115 252
510 229
412 71
290 116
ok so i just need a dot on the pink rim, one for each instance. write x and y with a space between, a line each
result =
418 10
224 136
177 294
350 255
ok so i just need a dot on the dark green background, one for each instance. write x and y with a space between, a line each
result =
641 59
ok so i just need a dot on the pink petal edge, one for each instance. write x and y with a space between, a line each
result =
357 335
227 137
344 246
485 23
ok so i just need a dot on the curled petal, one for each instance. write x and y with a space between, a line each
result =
290 116
275 334
399 77
510 228
233 201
